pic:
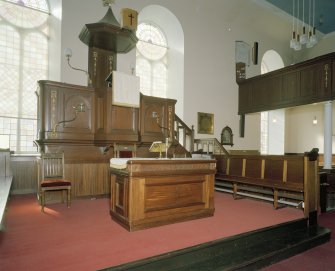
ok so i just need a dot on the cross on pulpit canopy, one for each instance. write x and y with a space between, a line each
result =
129 19
131 16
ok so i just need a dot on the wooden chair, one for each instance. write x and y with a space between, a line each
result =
51 177
124 151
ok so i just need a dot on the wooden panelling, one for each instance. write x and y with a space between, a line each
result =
295 169
56 101
304 83
273 169
291 87
88 179
24 171
253 168
155 109
221 163
309 78
235 165
172 192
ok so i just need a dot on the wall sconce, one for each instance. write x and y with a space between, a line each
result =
80 108
274 120
315 121
68 55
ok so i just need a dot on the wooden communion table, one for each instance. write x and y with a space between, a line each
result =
149 192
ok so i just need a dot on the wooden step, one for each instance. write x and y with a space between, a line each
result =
248 251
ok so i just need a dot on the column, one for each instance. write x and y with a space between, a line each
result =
328 135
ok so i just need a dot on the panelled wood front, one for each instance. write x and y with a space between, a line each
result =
88 178
304 83
56 102
173 192
153 193
153 110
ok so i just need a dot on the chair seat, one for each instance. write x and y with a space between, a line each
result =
55 182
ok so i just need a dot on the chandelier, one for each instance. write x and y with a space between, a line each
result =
300 35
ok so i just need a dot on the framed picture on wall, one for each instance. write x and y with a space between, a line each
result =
227 136
205 123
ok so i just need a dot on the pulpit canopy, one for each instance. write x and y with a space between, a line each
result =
107 34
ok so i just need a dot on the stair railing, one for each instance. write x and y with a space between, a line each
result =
184 134
210 146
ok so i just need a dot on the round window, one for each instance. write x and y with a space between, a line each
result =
152 42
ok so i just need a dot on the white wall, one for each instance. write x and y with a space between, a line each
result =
55 40
325 45
301 134
210 31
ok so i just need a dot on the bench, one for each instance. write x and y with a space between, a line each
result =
283 179
5 182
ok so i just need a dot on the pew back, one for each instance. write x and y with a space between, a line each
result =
290 173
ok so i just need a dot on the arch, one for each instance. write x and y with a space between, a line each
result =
272 122
271 61
174 34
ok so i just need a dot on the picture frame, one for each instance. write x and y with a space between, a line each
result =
227 136
205 123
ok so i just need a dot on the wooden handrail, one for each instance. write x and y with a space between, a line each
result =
188 133
216 145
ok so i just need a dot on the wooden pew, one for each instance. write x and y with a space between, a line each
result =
283 179
5 182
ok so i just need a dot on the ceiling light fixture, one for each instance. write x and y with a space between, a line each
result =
309 39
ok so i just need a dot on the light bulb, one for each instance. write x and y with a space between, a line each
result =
303 38
68 52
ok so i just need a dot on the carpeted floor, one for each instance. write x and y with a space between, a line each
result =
84 237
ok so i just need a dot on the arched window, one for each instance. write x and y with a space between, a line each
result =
272 122
151 60
23 61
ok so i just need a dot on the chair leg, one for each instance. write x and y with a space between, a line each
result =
68 198
275 199
234 190
63 191
42 201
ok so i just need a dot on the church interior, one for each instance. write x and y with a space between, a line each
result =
170 126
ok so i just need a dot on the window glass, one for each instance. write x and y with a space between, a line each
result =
151 60
23 61
24 13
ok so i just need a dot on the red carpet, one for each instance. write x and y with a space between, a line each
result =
85 238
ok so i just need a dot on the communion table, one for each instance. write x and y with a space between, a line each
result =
149 192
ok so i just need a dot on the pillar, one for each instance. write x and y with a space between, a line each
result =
328 135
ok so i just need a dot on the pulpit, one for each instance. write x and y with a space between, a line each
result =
89 138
